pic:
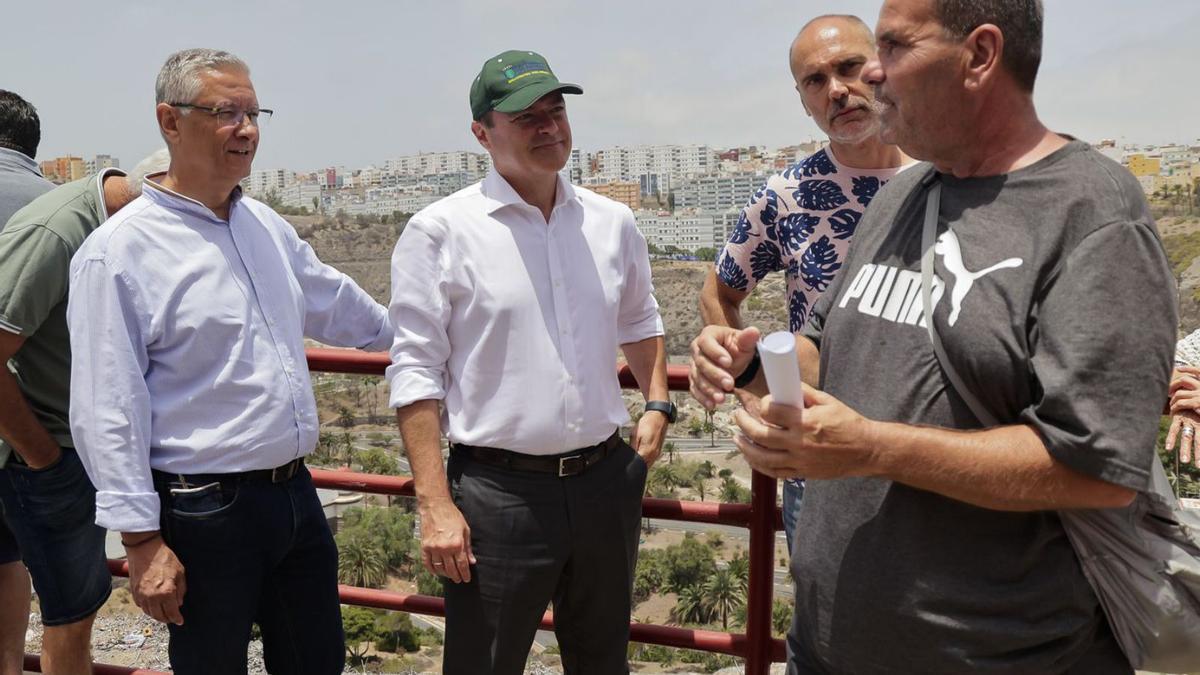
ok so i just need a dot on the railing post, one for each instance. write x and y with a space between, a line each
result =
762 574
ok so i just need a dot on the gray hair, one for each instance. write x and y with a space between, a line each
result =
1019 20
179 79
156 162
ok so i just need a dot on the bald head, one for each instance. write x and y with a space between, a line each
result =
847 25
826 59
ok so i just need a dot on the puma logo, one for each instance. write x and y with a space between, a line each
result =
947 247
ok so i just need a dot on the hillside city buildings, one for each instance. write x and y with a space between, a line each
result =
685 197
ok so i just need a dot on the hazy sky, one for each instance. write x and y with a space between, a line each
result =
358 81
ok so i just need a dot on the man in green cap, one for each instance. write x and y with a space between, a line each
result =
509 300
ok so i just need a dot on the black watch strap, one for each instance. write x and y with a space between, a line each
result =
751 371
665 407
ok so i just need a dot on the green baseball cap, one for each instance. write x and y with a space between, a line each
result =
513 81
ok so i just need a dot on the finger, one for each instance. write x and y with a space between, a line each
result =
450 569
760 433
779 414
1186 447
427 563
814 396
1176 422
749 400
708 348
713 374
467 545
170 609
705 391
702 398
463 567
763 460
1189 370
745 340
154 610
180 588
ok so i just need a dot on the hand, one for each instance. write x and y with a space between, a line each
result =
1184 426
445 540
648 436
826 440
719 354
1185 378
40 458
157 580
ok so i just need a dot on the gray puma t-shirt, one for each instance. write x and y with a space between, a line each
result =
1055 303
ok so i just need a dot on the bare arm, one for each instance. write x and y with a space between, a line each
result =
648 361
720 305
18 426
1004 468
445 535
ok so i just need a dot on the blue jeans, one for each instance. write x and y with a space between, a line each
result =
253 552
793 492
51 513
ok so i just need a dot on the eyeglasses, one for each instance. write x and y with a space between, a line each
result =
231 117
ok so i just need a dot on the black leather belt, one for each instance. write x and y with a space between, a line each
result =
279 474
566 464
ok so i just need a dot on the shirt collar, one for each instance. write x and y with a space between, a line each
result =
167 198
18 160
499 193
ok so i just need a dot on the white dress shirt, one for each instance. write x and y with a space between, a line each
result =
515 322
187 345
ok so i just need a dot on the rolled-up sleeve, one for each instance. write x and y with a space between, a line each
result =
420 316
337 311
1101 352
638 317
110 403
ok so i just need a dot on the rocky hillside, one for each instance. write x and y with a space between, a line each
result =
364 252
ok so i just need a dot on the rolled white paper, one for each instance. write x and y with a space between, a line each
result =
778 353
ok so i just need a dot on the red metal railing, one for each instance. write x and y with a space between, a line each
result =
761 516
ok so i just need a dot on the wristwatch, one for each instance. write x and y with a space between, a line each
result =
665 407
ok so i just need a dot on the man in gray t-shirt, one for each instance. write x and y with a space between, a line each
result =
934 545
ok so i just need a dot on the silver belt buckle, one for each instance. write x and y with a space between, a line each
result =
562 465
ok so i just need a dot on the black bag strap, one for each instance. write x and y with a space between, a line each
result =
933 204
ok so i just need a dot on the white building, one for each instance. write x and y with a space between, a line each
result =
717 193
655 166
686 232
259 183
474 163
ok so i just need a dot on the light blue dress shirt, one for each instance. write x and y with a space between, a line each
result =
187 345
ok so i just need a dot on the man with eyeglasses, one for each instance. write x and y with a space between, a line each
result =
191 404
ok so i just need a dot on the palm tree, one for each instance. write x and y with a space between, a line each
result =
669 448
724 595
361 563
692 606
739 567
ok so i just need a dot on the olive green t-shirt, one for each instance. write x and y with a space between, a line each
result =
35 259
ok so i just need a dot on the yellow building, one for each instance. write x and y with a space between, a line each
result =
1144 165
629 194
64 169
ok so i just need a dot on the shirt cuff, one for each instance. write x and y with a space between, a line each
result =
645 329
383 341
128 512
414 384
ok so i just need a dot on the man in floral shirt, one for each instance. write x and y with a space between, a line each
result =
801 222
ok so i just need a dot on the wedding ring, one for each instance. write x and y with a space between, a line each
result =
1188 431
